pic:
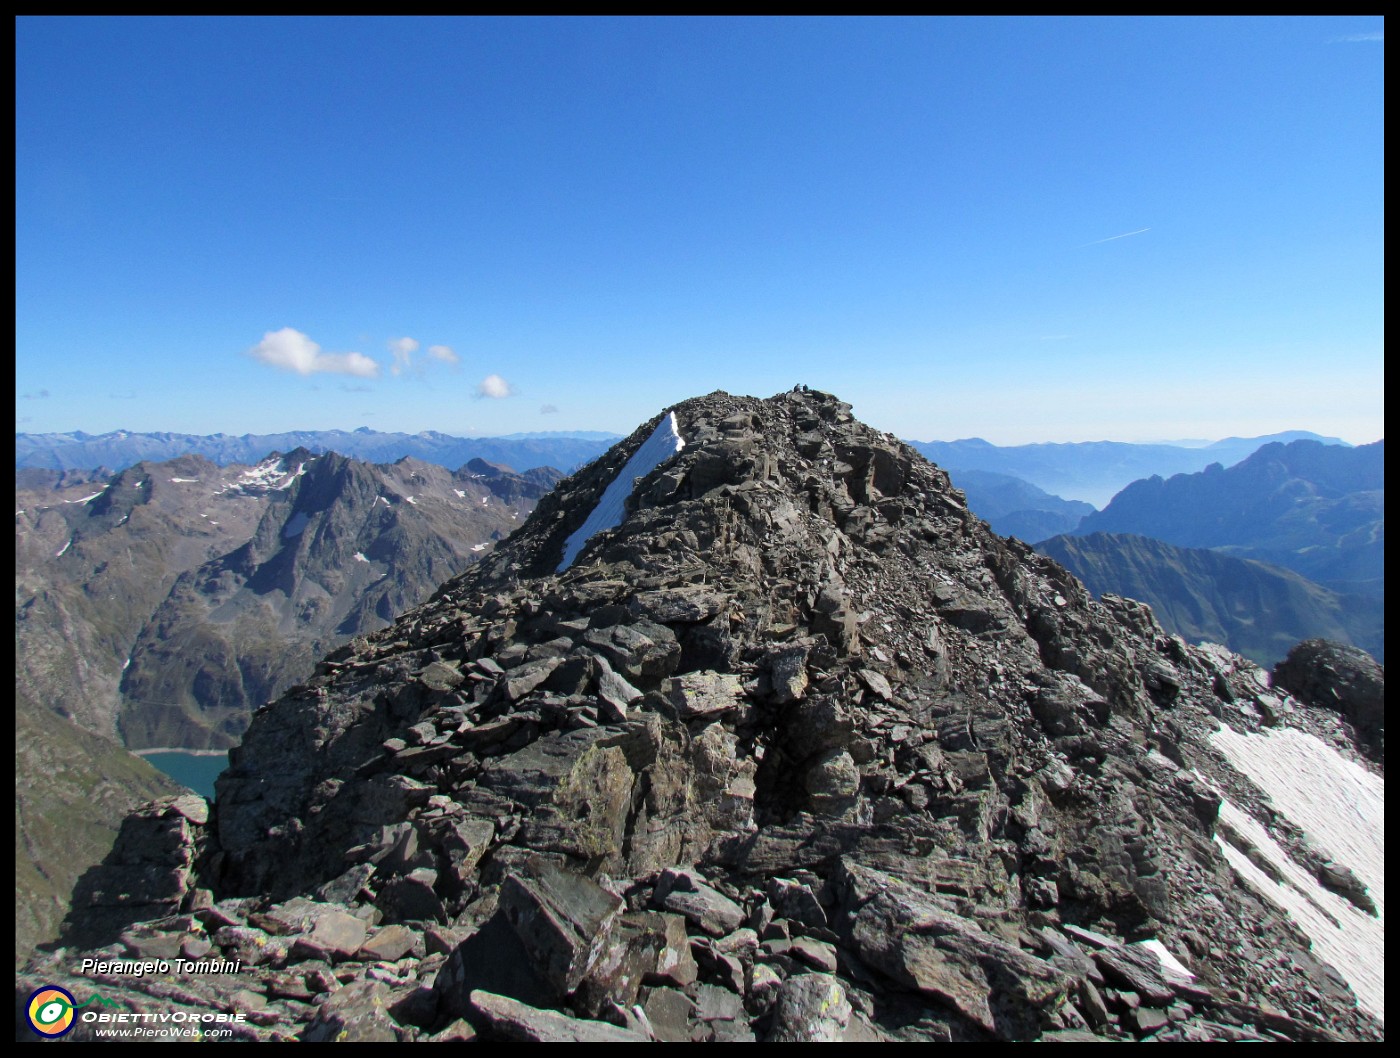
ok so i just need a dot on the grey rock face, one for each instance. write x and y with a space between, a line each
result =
812 1008
562 918
355 1014
1342 678
927 947
686 893
799 750
513 1020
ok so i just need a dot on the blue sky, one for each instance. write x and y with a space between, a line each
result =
1019 229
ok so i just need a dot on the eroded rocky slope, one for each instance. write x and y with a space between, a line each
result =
72 791
161 605
799 751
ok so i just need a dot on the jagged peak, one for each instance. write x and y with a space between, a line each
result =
799 687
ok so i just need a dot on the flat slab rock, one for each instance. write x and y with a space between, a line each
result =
511 1020
909 937
699 694
562 919
686 893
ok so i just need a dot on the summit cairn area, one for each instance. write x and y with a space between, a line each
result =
797 750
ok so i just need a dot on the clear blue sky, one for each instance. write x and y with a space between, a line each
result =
1021 229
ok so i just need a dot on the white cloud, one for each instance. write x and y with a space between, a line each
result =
291 350
549 409
493 386
402 350
1361 38
443 353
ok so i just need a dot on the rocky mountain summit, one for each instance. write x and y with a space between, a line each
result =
798 750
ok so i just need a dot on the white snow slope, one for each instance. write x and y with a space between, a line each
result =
1341 808
664 442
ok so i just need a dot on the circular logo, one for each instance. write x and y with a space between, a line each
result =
51 1011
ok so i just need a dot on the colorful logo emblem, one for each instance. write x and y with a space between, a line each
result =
51 1011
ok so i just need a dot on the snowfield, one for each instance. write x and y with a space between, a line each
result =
1341 807
664 442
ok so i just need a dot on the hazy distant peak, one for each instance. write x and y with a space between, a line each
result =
1286 437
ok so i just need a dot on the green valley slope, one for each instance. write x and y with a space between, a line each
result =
1255 609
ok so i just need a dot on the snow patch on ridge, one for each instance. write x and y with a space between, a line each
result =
1341 807
664 442
1170 964
271 475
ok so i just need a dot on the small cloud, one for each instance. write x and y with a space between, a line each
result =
548 409
356 388
402 350
290 350
1377 37
493 386
443 353
38 394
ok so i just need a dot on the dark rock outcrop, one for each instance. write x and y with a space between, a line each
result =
1341 678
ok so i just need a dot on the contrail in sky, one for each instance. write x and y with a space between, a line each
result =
1112 237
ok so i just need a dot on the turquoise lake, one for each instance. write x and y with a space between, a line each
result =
192 770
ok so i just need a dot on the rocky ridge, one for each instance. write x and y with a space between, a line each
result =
799 751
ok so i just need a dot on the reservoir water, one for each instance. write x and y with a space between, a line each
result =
195 770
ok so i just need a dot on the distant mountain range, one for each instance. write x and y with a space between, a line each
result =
1089 472
1316 509
1258 610
1015 507
122 448
159 606
1094 471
